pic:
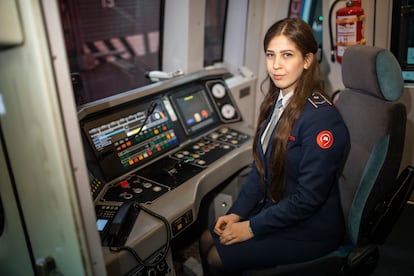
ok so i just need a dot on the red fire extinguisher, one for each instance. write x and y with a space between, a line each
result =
349 27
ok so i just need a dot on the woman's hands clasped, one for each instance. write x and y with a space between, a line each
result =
231 230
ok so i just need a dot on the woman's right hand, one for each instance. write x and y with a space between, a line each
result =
223 221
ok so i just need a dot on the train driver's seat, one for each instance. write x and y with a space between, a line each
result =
372 191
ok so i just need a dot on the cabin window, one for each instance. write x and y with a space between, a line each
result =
309 11
402 36
111 44
215 24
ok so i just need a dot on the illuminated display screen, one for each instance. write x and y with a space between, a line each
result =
101 223
194 109
122 141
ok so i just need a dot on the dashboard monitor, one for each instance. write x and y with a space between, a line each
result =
194 109
127 137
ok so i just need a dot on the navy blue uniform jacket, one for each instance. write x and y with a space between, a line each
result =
310 209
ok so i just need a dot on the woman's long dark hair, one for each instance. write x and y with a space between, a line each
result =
300 33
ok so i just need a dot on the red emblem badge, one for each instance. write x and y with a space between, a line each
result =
325 139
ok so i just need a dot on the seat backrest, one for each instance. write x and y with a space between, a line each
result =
376 121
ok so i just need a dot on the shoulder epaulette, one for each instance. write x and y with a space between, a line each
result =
317 99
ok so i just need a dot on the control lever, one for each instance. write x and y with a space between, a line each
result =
173 170
179 165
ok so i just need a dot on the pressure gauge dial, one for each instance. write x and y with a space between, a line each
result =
228 111
218 90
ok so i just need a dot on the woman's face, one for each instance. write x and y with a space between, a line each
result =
285 63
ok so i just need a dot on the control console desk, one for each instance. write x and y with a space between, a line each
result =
152 155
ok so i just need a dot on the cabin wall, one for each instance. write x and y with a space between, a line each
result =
41 172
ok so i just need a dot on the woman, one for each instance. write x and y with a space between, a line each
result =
288 209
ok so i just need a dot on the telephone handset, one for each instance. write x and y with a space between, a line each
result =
114 223
119 220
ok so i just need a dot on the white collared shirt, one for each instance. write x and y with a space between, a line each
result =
277 112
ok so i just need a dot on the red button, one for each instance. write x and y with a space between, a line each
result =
124 184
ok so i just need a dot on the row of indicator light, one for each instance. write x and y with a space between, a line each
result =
124 146
149 152
166 143
154 132
95 186
144 136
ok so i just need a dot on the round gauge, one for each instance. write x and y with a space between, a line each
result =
228 111
218 90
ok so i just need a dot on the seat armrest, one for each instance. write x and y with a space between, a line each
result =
363 260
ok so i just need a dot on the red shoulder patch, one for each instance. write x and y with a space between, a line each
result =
325 139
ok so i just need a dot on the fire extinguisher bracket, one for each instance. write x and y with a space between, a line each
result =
349 24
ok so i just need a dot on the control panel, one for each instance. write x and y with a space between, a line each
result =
143 146
147 146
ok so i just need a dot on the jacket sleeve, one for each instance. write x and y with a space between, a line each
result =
251 194
312 168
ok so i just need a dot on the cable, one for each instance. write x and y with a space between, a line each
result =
134 253
150 110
